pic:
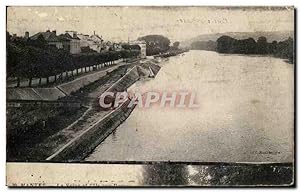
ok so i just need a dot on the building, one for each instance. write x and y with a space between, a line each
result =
94 42
50 37
71 42
76 43
142 45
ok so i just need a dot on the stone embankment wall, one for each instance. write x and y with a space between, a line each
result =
82 145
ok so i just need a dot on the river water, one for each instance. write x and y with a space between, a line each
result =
245 113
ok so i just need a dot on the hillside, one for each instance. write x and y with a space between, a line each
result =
271 36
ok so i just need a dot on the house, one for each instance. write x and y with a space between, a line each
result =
94 42
111 46
142 45
71 42
50 37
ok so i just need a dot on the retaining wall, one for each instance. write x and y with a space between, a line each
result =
34 94
78 148
75 85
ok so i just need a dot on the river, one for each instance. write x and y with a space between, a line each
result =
245 113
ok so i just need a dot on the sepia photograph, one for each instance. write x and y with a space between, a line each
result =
150 96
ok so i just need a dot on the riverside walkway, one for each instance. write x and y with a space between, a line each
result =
59 90
37 82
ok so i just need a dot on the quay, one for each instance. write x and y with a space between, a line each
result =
91 125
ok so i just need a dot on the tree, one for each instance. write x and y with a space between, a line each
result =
8 36
39 42
262 40
273 47
283 49
29 59
156 44
246 46
131 47
226 44
176 44
262 45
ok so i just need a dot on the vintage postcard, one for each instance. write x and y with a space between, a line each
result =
150 96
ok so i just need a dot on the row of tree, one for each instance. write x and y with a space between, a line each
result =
282 49
28 58
36 60
158 44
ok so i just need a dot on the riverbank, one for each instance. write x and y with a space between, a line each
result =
228 45
45 137
171 53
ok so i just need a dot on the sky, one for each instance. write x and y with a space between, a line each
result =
123 23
